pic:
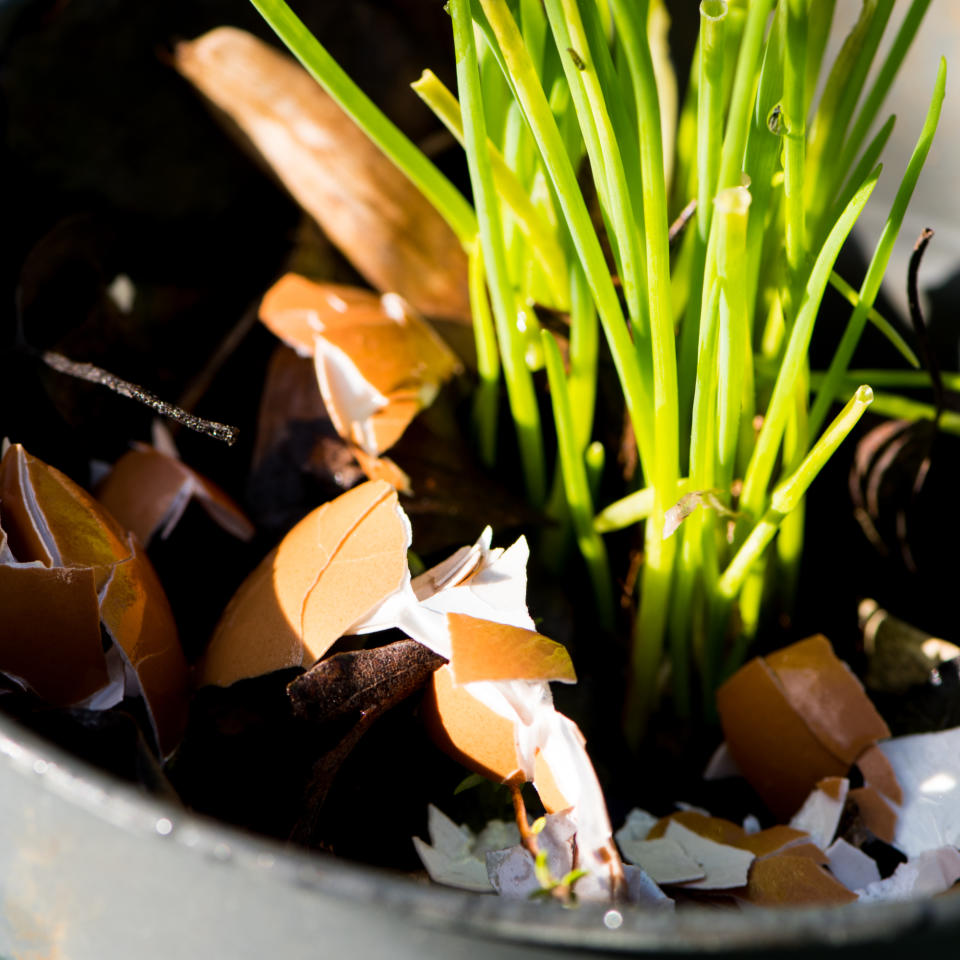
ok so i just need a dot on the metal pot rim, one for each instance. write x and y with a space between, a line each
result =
589 927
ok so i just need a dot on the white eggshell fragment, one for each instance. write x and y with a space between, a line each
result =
928 768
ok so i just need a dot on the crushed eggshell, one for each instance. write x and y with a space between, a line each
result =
636 827
484 650
512 872
817 721
455 856
369 209
821 811
459 567
787 880
876 771
723 866
332 568
878 815
925 875
927 766
378 362
662 859
70 569
148 490
851 866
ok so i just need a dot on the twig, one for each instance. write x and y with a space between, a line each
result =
97 375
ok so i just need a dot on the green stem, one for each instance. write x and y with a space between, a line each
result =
486 399
794 360
713 15
447 200
540 119
794 117
520 392
576 483
540 236
881 255
879 321
788 494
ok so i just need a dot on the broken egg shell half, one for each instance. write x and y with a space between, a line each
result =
331 569
76 569
481 739
471 731
378 362
808 693
147 490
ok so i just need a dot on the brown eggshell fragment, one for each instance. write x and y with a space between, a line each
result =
823 690
138 617
780 757
369 209
147 490
789 880
47 517
50 635
712 828
333 567
369 565
878 816
391 347
878 773
485 650
481 739
764 843
776 839
382 468
469 731
95 575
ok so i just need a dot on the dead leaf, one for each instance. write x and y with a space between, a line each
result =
370 210
70 568
362 680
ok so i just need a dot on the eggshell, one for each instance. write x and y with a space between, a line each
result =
878 773
823 690
724 866
138 617
469 731
761 844
484 650
380 339
148 489
877 814
333 567
787 880
480 739
49 518
712 828
780 757
51 631
84 553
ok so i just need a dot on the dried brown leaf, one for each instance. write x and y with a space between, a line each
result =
370 210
